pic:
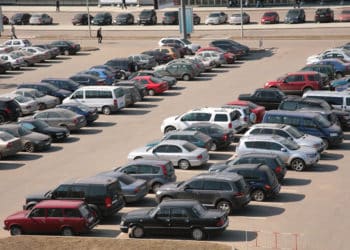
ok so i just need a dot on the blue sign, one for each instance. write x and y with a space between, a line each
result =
189 20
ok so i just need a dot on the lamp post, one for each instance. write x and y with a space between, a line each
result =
183 11
241 4
88 16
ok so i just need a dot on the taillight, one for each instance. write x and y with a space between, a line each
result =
278 169
7 110
267 187
239 194
9 145
75 121
199 157
224 137
108 202
165 172
220 222
136 190
230 125
115 102
245 119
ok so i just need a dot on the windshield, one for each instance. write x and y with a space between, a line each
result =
22 99
291 145
189 147
295 133
40 124
214 15
22 131
322 121
199 210
156 80
5 136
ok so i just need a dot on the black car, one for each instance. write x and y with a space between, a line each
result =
222 191
67 47
124 65
230 44
321 68
272 161
323 15
177 217
170 17
222 138
91 114
269 98
20 18
47 89
62 83
82 19
160 57
87 80
104 18
40 126
9 110
124 19
263 182
132 83
147 17
295 16
101 193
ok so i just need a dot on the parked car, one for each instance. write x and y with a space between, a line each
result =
31 141
89 113
321 68
17 43
181 153
337 53
20 18
143 61
66 47
53 50
159 56
29 58
181 42
269 98
237 18
216 18
16 61
44 101
84 79
124 19
171 52
295 16
101 193
82 19
40 18
181 71
9 145
27 105
171 81
102 18
147 17
344 16
231 45
226 192
5 20
229 57
43 54
136 84
153 84
217 57
4 66
324 15
255 109
107 76
170 17
64 217
340 84
62 83
40 126
341 68
9 110
47 89
114 71
199 222
270 17
124 65
155 172
337 100
295 156
244 115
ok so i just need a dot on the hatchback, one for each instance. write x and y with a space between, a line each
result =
170 17
147 17
324 15
154 85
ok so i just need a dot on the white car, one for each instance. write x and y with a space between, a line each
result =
16 61
218 57
182 42
339 53
40 18
216 18
207 62
236 18
17 43
42 53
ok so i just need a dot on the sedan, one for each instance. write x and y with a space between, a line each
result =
124 19
53 50
27 105
9 145
62 83
171 81
217 57
29 58
270 17
40 18
44 101
154 85
58 117
91 114
66 47
181 153
216 18
16 61
197 221
43 54
237 18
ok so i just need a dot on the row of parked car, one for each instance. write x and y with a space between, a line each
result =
27 18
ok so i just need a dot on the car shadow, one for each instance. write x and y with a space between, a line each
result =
8 85
24 157
170 93
217 156
30 68
200 79
256 210
42 65
5 77
102 232
296 182
52 149
178 88
53 61
70 139
102 124
145 202
228 66
344 145
112 220
152 99
143 105
133 112
287 197
322 168
259 54
10 166
82 54
88 131
13 73
331 156
219 70
61 57
234 235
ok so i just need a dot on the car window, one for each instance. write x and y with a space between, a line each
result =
281 133
221 118
54 212
38 212
78 191
274 146
163 213
196 184
53 115
72 213
289 105
161 149
266 131
62 191
213 185
179 213
130 170
189 117
261 145
308 123
173 149
28 126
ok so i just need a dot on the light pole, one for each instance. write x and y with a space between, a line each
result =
88 16
183 11
241 3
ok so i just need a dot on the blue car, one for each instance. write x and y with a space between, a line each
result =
90 114
102 74
340 84
114 71
341 68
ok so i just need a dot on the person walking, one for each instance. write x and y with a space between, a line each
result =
13 32
99 35
124 5
57 5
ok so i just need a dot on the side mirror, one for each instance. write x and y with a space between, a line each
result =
283 150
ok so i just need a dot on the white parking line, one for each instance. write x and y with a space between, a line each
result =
288 190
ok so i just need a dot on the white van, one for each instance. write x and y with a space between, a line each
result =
106 99
338 100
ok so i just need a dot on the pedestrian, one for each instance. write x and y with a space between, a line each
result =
13 32
57 5
124 5
297 4
99 35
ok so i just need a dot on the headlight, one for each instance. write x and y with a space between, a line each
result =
158 192
333 134
122 223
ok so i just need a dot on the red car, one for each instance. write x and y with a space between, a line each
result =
67 217
270 17
297 83
153 85
344 16
229 56
259 111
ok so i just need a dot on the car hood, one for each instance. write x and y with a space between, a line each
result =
18 215
169 186
136 214
307 150
217 167
37 196
33 136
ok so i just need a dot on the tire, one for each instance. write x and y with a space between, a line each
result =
297 164
338 75
151 92
326 142
186 77
106 110
42 106
214 147
2 119
29 147
307 89
137 232
224 206
168 129
123 76
66 52
198 234
15 230
184 164
67 231
156 186
258 195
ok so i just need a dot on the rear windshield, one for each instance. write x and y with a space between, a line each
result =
189 147
84 211
270 14
202 137
5 136
295 133
126 179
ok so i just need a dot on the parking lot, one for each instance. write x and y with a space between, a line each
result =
311 209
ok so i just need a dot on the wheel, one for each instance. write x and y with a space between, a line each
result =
338 75
151 92
326 143
184 164
28 147
258 195
2 118
224 206
66 52
137 232
307 89
123 76
214 147
198 234
168 129
155 187
15 230
67 231
106 110
186 77
297 164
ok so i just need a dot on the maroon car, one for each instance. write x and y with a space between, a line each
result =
270 17
66 217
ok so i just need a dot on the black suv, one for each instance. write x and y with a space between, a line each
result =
147 17
9 110
295 16
102 194
124 65
67 47
263 182
171 17
104 18
20 18
222 191
324 15
82 19
321 68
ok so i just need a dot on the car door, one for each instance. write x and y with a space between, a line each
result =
36 221
210 191
173 70
189 190
180 220
173 153
278 149
293 84
160 223
54 220
54 118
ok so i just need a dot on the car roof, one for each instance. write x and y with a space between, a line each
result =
97 179
182 132
257 155
250 166
219 176
27 90
60 204
270 125
263 137
155 162
211 109
180 203
290 113
173 142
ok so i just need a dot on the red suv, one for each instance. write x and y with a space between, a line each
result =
297 83
66 217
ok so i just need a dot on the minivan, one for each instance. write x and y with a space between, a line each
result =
338 100
106 99
308 122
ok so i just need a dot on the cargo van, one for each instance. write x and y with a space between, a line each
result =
311 123
338 100
106 99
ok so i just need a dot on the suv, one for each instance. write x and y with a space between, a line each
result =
102 193
124 65
263 182
324 15
155 172
170 17
20 18
295 16
226 118
104 18
18 43
147 17
179 70
325 69
9 110
180 41
223 191
297 83
297 157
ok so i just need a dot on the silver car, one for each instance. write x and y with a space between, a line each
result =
27 105
16 61
297 157
216 18
43 54
181 153
9 145
40 18
58 117
288 132
44 101
218 57
236 18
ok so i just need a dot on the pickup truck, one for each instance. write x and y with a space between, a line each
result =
269 98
